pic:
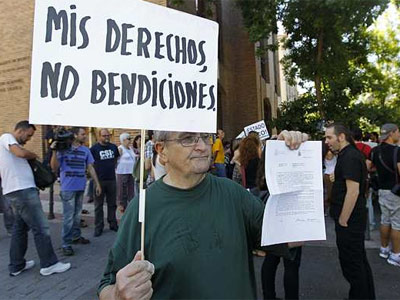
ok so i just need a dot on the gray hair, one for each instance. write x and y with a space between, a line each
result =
160 136
124 136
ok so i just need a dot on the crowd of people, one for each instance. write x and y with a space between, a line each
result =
206 196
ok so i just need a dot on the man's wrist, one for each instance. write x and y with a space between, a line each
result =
108 292
343 220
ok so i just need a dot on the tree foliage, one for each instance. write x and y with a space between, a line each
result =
326 40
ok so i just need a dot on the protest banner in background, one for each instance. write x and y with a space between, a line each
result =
258 127
123 64
241 135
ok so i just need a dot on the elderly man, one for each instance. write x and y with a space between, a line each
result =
200 230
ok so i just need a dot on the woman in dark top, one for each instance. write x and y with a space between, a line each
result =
271 261
250 153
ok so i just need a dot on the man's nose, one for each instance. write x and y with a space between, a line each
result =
200 145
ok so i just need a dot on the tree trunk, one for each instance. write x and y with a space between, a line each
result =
201 8
317 79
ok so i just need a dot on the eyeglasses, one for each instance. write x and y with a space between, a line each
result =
105 135
191 140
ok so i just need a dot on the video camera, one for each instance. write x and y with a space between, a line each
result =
64 139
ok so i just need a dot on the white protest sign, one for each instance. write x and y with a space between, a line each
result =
241 135
123 64
258 127
294 179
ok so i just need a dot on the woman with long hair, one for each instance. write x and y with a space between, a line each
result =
136 144
250 154
271 261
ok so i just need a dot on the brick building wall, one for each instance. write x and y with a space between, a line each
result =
16 27
16 32
240 90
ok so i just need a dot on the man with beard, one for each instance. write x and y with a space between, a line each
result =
200 230
348 208
105 156
20 191
73 164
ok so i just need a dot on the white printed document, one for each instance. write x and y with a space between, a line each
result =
295 210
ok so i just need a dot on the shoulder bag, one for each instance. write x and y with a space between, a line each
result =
43 175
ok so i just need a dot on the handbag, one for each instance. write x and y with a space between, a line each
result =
43 175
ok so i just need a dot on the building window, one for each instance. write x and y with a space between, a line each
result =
265 64
268 114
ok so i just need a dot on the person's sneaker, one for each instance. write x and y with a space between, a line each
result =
68 251
28 265
384 252
56 268
394 259
81 240
98 232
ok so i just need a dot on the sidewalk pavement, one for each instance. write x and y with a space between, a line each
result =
320 274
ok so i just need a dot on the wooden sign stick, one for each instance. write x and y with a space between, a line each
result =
142 197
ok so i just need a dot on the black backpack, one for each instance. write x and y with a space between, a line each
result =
43 175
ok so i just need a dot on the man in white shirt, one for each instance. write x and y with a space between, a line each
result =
20 191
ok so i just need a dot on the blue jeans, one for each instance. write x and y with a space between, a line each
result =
220 168
29 215
72 208
7 212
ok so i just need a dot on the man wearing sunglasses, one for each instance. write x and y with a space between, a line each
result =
200 230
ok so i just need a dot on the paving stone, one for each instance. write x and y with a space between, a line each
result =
320 274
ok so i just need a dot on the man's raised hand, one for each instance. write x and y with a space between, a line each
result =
293 139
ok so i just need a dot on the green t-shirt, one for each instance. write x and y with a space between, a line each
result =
200 240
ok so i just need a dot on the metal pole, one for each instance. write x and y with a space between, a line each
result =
51 203
370 215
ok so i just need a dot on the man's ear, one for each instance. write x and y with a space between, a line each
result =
160 148
341 137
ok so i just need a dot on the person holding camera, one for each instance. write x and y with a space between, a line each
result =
73 163
20 191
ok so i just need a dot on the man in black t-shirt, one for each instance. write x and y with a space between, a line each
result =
348 208
105 155
387 165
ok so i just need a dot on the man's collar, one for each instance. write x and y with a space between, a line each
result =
76 146
344 149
